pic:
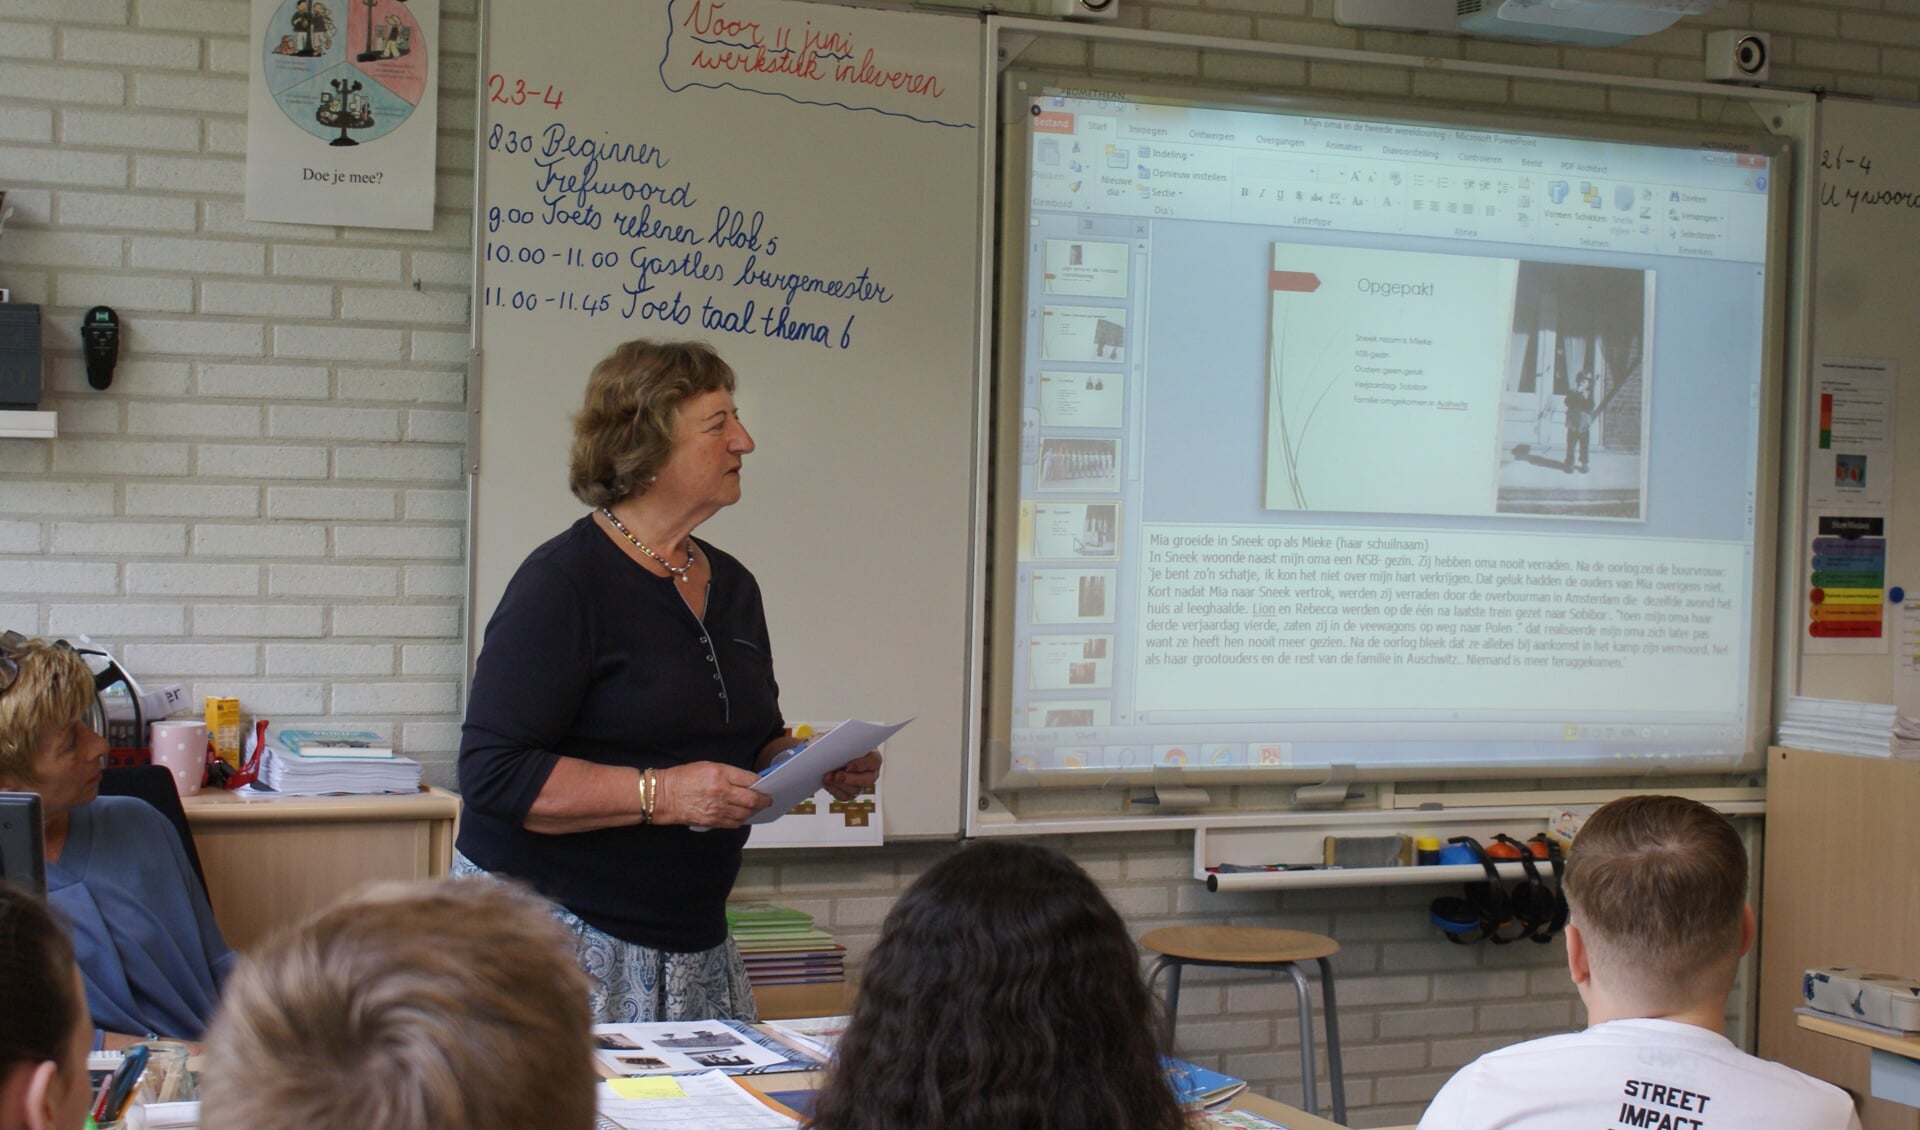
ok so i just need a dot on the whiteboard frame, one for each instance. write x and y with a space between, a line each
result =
952 788
1786 114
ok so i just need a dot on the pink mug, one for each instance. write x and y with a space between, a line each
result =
181 746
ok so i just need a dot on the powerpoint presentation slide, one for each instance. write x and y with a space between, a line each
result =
1081 400
1072 596
1083 333
1058 663
1065 714
1078 464
1080 267
1573 413
1384 374
1069 531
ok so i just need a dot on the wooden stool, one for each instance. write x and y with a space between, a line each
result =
1258 947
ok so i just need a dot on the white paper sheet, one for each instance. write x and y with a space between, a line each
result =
798 778
709 1102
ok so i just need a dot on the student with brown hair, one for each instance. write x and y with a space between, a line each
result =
1004 992
412 1006
44 1030
1657 889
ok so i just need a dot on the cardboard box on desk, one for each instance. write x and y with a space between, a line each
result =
1860 994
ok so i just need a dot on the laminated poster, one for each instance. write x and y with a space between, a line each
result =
342 112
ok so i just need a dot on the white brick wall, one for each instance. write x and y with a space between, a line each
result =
269 502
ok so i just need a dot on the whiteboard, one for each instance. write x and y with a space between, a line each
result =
1866 229
798 185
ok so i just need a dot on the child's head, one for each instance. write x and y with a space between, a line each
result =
1005 990
44 1030
407 1006
1657 886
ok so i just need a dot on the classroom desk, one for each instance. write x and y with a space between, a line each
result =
1280 1112
273 861
1894 1073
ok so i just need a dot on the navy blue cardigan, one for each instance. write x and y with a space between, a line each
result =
591 656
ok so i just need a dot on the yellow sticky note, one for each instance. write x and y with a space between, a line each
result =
648 1087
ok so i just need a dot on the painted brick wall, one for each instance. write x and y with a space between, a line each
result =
269 501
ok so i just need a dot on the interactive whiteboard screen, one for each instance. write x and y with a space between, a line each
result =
1424 449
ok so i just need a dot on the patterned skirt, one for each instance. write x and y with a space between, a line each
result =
632 983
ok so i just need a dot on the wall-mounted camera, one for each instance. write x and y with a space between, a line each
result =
1738 56
1082 9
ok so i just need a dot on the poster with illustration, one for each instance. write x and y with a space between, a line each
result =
341 112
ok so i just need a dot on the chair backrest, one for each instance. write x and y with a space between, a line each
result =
154 784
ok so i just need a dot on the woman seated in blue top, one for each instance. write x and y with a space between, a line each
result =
149 951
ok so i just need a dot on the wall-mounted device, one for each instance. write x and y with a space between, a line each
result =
1734 55
100 341
1594 23
19 356
1082 9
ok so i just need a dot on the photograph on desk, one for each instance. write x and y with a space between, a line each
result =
694 1046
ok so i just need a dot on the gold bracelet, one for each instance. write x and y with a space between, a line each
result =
646 802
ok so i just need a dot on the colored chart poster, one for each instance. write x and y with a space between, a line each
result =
1850 460
341 112
1847 577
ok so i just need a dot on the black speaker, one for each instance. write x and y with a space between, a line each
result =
19 355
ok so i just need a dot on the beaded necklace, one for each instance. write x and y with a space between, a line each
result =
679 571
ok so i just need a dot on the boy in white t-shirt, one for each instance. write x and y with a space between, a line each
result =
1657 888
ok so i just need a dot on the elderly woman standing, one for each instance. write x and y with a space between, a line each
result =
149 951
624 697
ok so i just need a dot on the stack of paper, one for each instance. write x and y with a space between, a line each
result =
780 946
1864 729
817 1034
290 774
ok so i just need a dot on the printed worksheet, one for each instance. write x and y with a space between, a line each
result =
689 1102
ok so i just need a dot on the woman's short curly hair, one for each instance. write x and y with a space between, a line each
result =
52 689
625 430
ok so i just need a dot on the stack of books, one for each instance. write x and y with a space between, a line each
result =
325 762
1864 729
780 946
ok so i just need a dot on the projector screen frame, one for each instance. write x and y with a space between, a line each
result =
1001 499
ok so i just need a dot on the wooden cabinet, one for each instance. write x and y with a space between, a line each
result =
1840 888
271 862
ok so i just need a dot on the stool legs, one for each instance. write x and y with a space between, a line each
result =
1173 992
1308 1086
1335 1075
1308 1083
